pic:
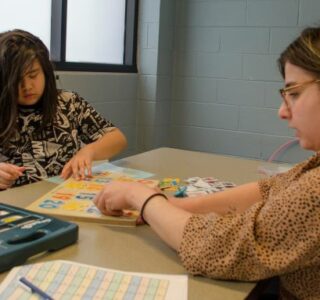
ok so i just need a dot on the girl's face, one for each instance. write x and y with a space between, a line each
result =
301 105
32 85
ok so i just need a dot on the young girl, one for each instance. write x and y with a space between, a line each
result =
44 131
258 230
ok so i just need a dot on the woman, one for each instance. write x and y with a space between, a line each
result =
44 131
257 230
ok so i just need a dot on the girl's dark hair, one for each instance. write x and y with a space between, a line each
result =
18 50
303 52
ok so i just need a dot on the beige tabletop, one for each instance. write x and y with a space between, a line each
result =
139 249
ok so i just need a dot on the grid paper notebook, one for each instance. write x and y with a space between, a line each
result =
69 280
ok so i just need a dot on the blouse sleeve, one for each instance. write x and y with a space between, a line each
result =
273 237
92 125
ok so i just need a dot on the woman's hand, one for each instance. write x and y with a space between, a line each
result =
165 219
117 196
79 166
9 173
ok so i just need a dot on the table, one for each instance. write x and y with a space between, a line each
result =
139 249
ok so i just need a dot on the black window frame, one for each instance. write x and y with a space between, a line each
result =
58 41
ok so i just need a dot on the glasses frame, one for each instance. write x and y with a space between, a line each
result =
285 90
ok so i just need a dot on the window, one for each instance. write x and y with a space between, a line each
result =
26 17
82 35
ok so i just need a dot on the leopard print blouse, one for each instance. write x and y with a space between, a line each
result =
279 236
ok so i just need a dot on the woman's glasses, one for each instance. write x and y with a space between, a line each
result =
290 94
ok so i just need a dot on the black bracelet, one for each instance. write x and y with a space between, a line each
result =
146 202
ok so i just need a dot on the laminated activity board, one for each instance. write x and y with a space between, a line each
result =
72 199
24 233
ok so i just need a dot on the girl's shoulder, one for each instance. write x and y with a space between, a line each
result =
69 100
67 96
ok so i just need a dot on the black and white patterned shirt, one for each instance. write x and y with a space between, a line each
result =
45 152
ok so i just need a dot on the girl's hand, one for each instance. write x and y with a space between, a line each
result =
80 165
9 173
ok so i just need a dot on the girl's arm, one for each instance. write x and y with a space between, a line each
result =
110 144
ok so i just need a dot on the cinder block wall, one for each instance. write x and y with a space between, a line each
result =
225 81
112 95
207 77
155 61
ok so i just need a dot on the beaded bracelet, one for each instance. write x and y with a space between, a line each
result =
146 202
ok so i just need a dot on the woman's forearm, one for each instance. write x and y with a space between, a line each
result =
234 200
165 219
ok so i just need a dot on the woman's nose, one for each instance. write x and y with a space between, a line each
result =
284 111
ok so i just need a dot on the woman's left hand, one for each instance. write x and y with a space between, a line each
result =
79 166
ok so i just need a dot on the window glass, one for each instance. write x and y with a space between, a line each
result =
95 31
81 35
33 16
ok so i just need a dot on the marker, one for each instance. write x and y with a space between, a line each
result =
33 289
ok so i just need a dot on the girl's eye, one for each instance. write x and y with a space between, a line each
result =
33 75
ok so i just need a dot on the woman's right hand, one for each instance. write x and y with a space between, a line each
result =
9 173
117 196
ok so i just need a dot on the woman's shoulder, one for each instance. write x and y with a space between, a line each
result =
311 171
307 171
309 167
305 178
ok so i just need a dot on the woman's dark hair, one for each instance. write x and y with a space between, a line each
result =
303 52
18 51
